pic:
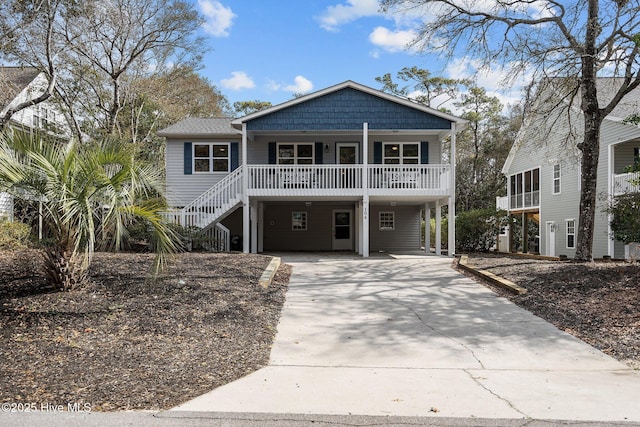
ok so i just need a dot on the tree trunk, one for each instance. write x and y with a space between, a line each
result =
62 269
590 157
590 146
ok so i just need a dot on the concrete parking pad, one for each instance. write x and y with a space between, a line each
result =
410 336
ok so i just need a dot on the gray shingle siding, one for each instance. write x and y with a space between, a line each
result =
347 109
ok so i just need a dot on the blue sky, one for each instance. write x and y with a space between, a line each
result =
270 49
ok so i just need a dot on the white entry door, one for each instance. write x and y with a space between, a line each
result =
342 230
551 239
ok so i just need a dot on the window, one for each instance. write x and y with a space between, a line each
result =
43 117
524 189
387 221
295 154
401 154
556 179
571 234
211 157
299 221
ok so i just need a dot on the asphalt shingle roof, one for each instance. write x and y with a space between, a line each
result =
194 127
13 80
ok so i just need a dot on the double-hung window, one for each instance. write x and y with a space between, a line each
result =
571 234
211 157
557 175
295 153
401 153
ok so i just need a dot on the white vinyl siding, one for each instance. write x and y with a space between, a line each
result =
184 188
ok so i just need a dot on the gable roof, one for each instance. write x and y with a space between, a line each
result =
194 127
349 84
607 88
13 80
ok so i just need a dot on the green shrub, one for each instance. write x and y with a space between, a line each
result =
477 230
13 235
625 221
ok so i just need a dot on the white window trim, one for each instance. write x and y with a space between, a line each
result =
401 157
567 222
295 151
299 224
387 220
211 158
559 179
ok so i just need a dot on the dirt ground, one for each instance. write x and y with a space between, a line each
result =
596 302
127 341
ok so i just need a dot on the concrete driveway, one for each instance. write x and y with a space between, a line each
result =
409 336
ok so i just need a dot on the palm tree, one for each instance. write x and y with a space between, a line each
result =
85 190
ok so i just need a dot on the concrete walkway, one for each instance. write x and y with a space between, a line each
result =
409 336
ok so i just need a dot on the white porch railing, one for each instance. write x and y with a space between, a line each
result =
626 183
502 203
288 177
344 179
409 177
215 202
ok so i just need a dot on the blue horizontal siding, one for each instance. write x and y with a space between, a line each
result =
347 109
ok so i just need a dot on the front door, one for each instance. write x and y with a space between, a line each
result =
347 153
342 230
551 239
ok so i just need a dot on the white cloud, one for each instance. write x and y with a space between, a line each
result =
238 80
341 14
218 18
300 85
391 41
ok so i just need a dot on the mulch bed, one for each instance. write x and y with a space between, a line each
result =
596 302
130 341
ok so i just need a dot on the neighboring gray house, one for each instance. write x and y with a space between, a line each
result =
345 168
543 175
19 84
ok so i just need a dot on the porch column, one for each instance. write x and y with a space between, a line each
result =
427 228
260 227
438 228
525 233
365 190
246 218
365 226
253 215
610 170
358 227
365 158
451 245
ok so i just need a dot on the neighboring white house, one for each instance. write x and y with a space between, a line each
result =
345 168
543 175
17 85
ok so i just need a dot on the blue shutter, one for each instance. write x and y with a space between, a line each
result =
235 156
272 153
377 152
188 158
424 152
319 153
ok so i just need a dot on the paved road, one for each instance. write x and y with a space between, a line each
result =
409 336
